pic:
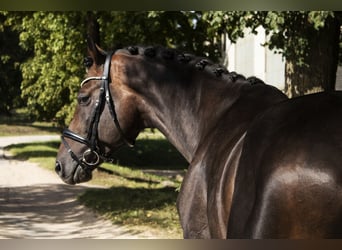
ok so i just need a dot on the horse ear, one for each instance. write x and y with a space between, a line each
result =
102 52
97 54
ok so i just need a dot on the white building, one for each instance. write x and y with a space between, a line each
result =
248 57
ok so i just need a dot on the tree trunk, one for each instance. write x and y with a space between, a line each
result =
322 61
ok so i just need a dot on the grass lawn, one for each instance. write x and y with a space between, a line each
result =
134 197
20 124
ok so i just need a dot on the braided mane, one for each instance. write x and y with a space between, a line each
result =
200 63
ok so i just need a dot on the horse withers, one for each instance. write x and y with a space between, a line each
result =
260 165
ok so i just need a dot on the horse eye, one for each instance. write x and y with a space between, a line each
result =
83 99
88 62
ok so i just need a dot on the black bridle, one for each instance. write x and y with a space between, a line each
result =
91 157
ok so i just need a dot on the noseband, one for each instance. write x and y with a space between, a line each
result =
91 157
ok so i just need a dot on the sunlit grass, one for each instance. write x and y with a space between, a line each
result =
20 124
43 153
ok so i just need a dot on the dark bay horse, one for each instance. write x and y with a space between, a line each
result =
260 165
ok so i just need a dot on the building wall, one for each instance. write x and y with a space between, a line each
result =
248 57
275 69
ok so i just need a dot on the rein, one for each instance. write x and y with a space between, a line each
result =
91 157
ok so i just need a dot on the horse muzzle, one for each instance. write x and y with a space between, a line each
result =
77 175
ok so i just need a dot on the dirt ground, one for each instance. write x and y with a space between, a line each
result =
36 204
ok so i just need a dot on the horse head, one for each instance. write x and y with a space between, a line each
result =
105 118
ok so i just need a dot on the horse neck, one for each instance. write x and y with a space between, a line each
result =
186 109
176 111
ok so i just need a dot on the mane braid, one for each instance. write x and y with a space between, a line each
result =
200 63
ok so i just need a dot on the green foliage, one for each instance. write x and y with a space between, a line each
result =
51 77
231 23
11 55
290 32
187 31
55 46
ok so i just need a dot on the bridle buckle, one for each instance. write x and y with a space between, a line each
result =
88 154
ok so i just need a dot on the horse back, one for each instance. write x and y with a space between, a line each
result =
289 178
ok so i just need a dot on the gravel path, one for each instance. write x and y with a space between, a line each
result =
36 204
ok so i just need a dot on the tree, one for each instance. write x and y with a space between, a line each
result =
184 30
11 56
309 41
52 75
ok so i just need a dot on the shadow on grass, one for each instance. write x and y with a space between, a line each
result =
151 154
137 206
118 199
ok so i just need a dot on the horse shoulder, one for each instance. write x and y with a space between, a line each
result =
221 189
207 190
192 202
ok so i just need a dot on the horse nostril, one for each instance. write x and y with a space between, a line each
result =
58 167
